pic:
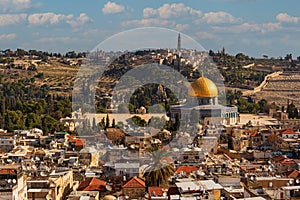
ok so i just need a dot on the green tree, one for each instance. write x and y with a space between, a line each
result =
94 123
2 106
13 120
159 171
138 121
292 111
230 97
31 120
262 104
107 123
49 124
102 124
177 123
288 57
113 124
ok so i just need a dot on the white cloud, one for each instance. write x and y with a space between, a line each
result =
47 18
269 27
248 27
44 18
14 5
95 32
53 18
284 17
205 35
147 22
11 19
10 36
149 12
167 11
219 18
56 39
181 27
79 21
112 8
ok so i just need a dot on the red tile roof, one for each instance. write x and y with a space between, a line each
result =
288 162
295 174
288 131
279 158
134 183
186 169
92 184
254 134
71 137
7 171
79 143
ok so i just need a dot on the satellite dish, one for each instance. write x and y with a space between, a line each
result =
108 188
43 174
14 181
9 181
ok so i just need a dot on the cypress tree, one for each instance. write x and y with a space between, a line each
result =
107 122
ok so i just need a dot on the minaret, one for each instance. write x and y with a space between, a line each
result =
179 43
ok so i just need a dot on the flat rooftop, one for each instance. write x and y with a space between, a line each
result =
257 119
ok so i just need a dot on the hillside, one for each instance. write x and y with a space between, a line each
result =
36 87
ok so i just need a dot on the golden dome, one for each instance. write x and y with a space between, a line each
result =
203 87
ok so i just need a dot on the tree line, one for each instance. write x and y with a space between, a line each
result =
24 105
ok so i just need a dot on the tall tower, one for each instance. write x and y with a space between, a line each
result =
179 43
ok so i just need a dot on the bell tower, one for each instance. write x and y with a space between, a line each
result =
179 43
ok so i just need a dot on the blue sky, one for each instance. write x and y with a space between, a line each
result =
254 27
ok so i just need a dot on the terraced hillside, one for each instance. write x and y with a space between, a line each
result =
281 89
59 77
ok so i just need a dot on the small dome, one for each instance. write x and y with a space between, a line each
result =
203 87
109 197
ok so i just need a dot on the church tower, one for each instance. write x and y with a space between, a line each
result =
179 43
